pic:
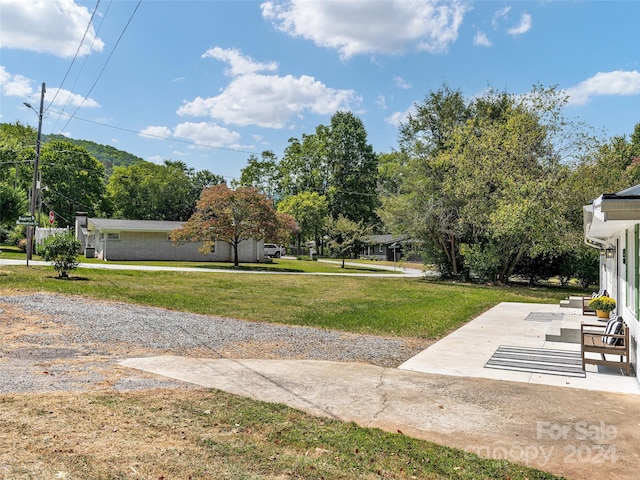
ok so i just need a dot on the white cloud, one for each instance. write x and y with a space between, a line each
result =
523 27
354 27
499 15
397 118
159 132
47 26
14 85
64 97
206 134
401 83
619 82
19 86
381 101
201 134
481 40
240 65
269 101
157 159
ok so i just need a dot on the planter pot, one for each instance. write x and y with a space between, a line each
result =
602 314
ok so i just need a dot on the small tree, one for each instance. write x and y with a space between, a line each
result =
346 237
231 216
62 250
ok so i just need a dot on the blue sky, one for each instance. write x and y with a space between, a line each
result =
211 82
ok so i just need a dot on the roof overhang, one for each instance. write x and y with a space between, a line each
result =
608 216
114 225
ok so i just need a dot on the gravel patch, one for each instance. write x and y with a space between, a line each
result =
79 341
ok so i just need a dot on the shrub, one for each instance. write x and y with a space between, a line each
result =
62 250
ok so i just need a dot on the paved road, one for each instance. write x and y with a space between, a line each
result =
401 272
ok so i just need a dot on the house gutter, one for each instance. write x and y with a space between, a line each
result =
588 214
607 215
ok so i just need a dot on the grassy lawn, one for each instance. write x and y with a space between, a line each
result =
382 306
210 434
203 434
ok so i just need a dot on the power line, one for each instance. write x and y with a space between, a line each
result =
75 56
160 137
105 65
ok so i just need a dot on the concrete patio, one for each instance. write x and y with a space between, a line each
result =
465 352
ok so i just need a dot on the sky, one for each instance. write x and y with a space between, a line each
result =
211 83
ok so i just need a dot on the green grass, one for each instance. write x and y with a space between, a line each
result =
407 307
233 437
202 434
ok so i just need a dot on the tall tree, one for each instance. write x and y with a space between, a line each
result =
146 191
13 203
490 189
17 153
262 174
304 167
309 211
72 180
353 170
231 216
419 205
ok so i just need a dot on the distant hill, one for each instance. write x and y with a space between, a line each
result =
109 156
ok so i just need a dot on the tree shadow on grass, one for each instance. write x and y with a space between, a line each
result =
71 279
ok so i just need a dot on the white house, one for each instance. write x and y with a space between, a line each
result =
612 224
113 239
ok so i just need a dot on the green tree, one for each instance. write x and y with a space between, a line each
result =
62 251
262 174
146 191
346 237
486 183
506 171
13 203
309 211
304 166
71 180
204 179
231 216
353 170
415 199
17 153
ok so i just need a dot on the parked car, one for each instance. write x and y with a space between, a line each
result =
273 250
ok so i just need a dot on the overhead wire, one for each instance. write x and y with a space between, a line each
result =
161 137
76 55
104 66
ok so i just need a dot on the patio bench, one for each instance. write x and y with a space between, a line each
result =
594 340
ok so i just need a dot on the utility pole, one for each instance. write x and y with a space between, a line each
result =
36 183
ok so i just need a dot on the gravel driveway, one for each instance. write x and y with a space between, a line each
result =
54 342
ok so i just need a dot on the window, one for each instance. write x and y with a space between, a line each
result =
113 236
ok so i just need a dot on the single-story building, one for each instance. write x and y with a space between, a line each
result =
383 247
612 224
113 239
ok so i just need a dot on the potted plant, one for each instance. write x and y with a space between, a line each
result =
603 305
